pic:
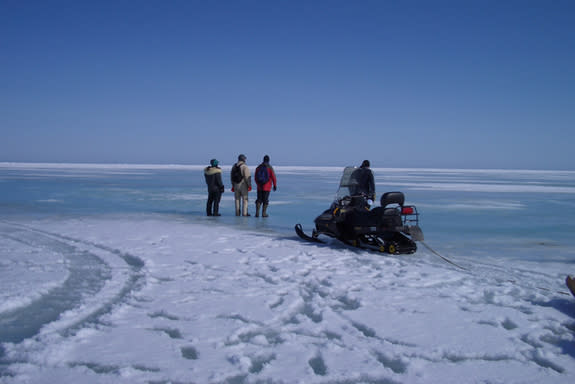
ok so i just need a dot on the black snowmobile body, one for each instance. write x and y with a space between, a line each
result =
392 227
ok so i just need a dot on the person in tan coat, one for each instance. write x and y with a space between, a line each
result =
241 185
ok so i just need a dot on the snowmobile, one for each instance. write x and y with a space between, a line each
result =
393 227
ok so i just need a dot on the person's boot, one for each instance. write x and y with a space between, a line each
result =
258 205
217 211
264 211
238 212
245 208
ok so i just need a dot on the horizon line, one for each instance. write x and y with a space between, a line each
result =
80 165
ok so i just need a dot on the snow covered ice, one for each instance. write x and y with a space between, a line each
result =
180 302
148 297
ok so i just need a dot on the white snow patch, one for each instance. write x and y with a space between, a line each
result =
218 305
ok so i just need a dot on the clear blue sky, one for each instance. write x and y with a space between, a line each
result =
475 84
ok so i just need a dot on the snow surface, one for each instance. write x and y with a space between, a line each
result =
186 302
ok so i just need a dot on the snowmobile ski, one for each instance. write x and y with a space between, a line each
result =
305 236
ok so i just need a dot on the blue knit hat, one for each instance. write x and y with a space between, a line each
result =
214 162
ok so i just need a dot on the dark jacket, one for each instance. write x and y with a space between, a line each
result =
362 183
213 177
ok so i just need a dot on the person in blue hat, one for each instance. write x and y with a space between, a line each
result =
213 175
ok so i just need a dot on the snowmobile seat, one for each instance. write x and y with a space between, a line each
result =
392 198
377 217
384 216
391 217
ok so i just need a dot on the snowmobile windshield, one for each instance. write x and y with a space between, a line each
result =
347 184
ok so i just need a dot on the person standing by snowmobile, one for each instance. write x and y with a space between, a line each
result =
241 185
362 182
265 178
213 175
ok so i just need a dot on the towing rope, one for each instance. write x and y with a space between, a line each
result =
442 257
465 269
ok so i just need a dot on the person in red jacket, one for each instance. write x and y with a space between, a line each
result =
266 180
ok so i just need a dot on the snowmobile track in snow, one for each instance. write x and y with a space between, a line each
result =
90 272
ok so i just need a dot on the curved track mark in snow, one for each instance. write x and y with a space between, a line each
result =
88 275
